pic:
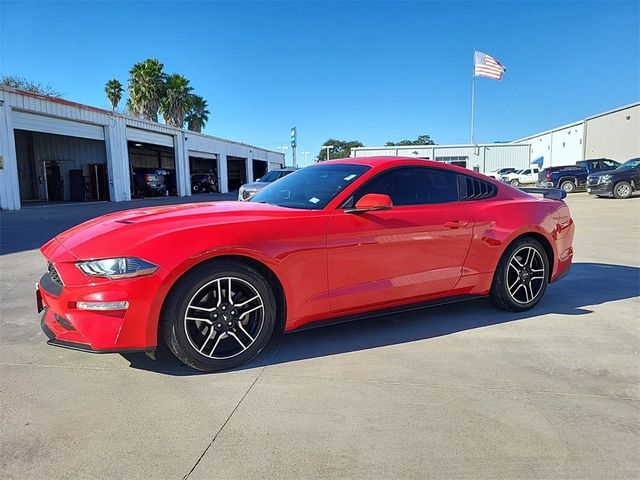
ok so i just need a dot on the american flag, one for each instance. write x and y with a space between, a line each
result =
487 66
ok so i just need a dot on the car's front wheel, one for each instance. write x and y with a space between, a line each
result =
218 316
521 276
622 190
515 182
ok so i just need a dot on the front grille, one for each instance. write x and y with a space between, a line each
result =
592 181
53 273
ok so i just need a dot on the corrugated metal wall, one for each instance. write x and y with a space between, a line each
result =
485 157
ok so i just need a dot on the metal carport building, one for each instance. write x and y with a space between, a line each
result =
50 145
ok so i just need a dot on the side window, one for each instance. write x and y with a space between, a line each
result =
527 171
593 164
610 164
413 186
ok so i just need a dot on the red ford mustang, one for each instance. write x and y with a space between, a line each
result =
334 241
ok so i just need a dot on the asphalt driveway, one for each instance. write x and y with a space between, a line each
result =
459 391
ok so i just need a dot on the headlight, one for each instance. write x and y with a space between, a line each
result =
604 179
247 194
115 268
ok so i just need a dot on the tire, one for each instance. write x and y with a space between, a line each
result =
226 337
622 190
195 188
526 288
515 182
568 186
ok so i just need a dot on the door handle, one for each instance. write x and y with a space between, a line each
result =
456 224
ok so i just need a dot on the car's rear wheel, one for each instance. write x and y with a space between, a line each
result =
515 182
622 190
521 277
219 316
568 186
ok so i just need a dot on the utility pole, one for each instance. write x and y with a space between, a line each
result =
294 143
328 148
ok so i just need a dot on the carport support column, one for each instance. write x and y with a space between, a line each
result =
9 182
250 167
118 160
223 173
183 177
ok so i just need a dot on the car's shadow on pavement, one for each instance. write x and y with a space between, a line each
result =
588 284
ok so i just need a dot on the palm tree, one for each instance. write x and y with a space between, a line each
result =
176 100
114 90
198 114
146 88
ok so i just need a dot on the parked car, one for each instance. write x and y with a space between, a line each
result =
169 176
147 182
498 173
571 179
203 182
619 183
526 176
341 239
248 190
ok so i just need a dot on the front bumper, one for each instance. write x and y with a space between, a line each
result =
50 322
92 330
603 189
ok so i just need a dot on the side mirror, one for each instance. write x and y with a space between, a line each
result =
371 202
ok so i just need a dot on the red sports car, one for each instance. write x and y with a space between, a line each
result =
338 240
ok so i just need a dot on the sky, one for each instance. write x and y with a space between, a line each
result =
367 71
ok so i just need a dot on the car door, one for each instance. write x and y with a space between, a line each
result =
410 252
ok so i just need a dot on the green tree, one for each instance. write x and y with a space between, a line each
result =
197 115
341 148
146 88
176 100
421 140
114 91
20 83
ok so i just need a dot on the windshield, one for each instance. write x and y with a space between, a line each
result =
271 176
312 187
630 164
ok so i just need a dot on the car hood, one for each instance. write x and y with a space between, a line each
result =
120 232
255 185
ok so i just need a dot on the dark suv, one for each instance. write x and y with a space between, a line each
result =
619 183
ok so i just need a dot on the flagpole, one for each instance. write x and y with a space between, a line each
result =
473 94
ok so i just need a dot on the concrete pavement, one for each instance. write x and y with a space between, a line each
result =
460 391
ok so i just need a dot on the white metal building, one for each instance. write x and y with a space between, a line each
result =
483 157
614 134
54 150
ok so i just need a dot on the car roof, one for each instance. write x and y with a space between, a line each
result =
386 161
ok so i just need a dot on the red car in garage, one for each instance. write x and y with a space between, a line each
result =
339 240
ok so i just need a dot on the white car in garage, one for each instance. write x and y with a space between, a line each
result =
522 177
